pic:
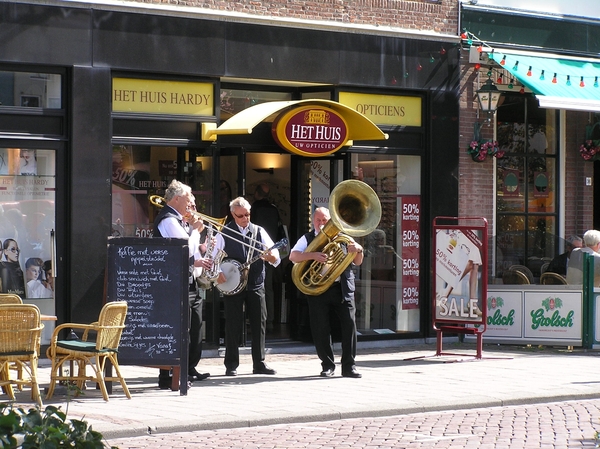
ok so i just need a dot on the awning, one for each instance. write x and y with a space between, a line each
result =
557 82
359 126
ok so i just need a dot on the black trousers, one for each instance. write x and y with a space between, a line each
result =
320 308
256 309
195 331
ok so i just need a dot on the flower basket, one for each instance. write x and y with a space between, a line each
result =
479 151
590 150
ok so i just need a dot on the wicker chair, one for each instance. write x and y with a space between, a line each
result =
20 335
514 277
549 278
108 329
523 269
9 298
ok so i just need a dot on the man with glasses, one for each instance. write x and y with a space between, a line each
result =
242 241
176 220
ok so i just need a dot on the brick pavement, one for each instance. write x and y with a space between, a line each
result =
395 382
554 425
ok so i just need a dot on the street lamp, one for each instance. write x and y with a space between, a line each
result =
488 96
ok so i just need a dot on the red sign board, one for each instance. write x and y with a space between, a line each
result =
411 254
310 131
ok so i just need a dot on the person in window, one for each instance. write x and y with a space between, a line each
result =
338 299
48 276
33 271
591 241
560 263
28 163
11 273
266 214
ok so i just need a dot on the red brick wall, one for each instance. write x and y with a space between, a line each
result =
476 179
579 198
439 16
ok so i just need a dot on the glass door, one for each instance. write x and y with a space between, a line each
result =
27 224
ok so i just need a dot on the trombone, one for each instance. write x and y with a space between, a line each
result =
217 223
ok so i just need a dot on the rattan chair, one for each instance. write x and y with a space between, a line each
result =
549 278
514 277
9 298
20 335
108 329
523 269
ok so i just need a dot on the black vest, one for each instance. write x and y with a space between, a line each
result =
235 250
346 278
166 212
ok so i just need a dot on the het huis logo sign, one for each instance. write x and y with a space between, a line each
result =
310 131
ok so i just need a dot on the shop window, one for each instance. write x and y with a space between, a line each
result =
388 281
526 180
140 171
31 90
236 100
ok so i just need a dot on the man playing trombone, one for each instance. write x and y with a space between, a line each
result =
177 220
243 241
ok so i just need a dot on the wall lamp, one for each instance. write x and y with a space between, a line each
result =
270 170
489 96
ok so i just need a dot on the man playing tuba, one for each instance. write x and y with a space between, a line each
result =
338 299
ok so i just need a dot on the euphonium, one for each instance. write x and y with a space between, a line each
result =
208 276
355 211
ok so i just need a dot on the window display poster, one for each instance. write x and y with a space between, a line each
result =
411 258
458 275
26 222
320 182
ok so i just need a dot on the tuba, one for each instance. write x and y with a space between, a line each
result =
355 212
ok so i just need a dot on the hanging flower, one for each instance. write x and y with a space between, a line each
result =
479 151
590 150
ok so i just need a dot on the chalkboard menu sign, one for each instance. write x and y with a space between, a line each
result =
151 275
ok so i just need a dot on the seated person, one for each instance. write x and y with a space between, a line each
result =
591 240
560 263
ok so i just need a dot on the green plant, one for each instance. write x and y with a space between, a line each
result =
46 429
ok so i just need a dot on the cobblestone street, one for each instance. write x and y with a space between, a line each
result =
558 425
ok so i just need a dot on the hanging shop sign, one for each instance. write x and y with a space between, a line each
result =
162 97
385 109
310 131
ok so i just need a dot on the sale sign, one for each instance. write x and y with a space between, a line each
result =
411 258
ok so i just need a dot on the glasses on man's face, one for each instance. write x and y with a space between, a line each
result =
247 215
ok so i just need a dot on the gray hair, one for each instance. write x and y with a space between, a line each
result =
240 201
176 189
591 238
574 238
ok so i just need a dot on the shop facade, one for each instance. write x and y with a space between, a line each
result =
116 102
537 186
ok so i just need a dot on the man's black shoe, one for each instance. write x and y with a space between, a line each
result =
327 372
263 370
352 373
231 372
195 375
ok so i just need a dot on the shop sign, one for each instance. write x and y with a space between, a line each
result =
396 110
310 131
458 284
162 97
411 254
505 314
553 315
167 168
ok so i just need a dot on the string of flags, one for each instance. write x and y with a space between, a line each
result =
554 77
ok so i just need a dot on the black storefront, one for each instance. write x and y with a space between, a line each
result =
84 48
